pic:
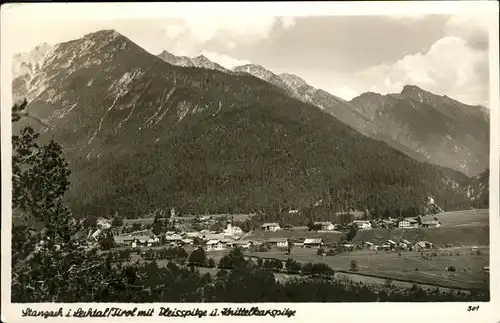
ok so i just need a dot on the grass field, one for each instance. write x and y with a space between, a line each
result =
391 265
328 237
464 218
467 235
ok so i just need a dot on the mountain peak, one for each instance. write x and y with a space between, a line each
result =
104 34
411 89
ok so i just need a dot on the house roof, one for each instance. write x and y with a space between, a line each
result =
123 239
311 241
323 223
411 220
173 237
269 224
390 241
388 221
213 242
277 240
241 242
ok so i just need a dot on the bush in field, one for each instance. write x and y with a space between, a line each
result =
293 266
273 265
307 269
353 266
320 252
478 252
451 268
321 269
264 248
198 257
211 263
388 283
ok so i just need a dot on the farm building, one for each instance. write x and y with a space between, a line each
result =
369 245
273 227
362 225
103 224
408 223
173 238
325 226
313 243
124 240
192 235
230 230
214 245
244 244
187 241
278 242
423 245
431 224
387 224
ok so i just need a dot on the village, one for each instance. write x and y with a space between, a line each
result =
181 232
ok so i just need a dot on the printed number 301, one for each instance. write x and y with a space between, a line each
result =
473 308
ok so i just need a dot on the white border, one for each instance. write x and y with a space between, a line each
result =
374 312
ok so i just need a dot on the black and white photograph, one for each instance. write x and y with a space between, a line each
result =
242 156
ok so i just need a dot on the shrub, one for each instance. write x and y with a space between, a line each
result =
320 251
478 252
211 263
388 283
353 266
451 268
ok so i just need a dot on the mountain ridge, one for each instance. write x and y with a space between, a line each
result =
141 133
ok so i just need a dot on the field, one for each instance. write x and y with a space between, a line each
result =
464 218
391 265
299 235
466 235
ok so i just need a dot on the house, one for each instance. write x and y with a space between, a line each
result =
213 245
103 224
192 235
231 231
363 225
387 223
244 244
325 226
408 223
173 239
313 243
278 242
270 227
123 240
187 241
431 224
369 245
423 245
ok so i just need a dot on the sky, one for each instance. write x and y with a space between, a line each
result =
344 55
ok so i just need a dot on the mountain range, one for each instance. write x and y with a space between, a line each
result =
142 131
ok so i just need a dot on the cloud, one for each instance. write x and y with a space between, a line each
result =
194 32
450 67
472 28
224 60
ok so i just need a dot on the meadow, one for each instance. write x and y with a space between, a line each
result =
409 266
